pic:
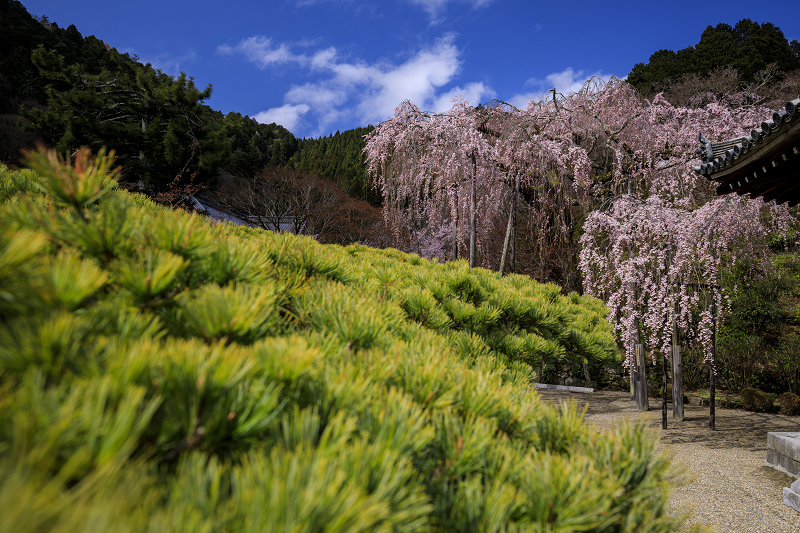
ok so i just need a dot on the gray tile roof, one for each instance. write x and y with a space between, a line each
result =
764 163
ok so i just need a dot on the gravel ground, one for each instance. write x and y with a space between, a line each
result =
733 490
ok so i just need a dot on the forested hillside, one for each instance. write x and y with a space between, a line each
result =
749 56
339 157
73 91
68 91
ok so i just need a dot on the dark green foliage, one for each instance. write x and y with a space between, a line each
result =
73 91
214 378
253 146
746 47
758 401
757 345
739 359
76 91
784 361
339 158
152 120
754 310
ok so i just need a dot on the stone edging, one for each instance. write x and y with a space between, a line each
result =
562 387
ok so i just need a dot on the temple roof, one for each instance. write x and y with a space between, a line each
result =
765 163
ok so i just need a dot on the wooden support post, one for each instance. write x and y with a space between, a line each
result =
642 402
472 214
677 380
455 230
676 362
633 380
510 230
712 368
512 261
664 361
712 422
677 383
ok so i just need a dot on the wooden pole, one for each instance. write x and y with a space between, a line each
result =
633 380
664 391
505 244
510 227
455 229
586 374
512 262
675 360
677 376
635 353
472 215
713 367
664 360
642 402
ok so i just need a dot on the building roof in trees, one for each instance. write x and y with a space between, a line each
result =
765 163
219 213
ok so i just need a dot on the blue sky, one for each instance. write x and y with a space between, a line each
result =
317 66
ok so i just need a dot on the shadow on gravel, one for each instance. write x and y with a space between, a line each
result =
734 428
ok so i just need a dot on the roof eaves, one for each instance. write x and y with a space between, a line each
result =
718 155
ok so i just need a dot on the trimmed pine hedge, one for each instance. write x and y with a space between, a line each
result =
162 373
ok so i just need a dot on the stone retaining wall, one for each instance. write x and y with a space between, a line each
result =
783 453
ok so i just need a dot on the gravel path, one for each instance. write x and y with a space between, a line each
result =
733 489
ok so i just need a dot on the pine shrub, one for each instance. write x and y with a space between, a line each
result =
159 372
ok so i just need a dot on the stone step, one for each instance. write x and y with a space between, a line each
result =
791 496
783 453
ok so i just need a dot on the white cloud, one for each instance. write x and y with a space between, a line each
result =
417 80
474 93
324 58
342 89
288 115
260 51
565 82
315 95
520 101
434 8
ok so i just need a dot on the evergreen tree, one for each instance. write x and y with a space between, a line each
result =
151 119
75 91
339 158
748 47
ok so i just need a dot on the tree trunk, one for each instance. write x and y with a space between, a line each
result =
472 215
